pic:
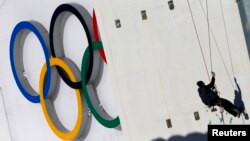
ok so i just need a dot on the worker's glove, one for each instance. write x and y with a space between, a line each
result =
213 74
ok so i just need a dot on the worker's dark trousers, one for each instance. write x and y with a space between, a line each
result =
229 107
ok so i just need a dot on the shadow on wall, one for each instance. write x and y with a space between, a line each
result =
2 2
244 10
238 102
189 137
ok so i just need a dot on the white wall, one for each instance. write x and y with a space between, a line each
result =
153 64
156 63
27 122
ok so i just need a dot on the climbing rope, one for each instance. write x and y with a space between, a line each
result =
2 3
219 51
226 34
221 108
5 112
209 41
210 48
198 39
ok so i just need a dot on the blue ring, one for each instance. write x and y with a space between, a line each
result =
24 26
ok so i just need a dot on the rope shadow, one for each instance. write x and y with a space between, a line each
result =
238 102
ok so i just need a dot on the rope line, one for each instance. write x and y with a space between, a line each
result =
210 48
2 3
5 111
226 33
198 39
243 121
217 46
209 40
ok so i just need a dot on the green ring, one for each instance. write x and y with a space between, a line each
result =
107 123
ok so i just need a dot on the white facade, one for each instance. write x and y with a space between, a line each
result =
157 62
153 67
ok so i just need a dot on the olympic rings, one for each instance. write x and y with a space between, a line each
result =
55 127
109 123
16 46
97 38
58 20
83 81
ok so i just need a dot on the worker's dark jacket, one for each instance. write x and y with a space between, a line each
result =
207 95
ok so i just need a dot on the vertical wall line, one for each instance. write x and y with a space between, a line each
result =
5 111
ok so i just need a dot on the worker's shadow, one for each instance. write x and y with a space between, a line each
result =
238 102
190 137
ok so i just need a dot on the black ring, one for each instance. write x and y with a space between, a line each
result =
61 14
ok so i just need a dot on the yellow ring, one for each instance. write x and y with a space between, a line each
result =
63 135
